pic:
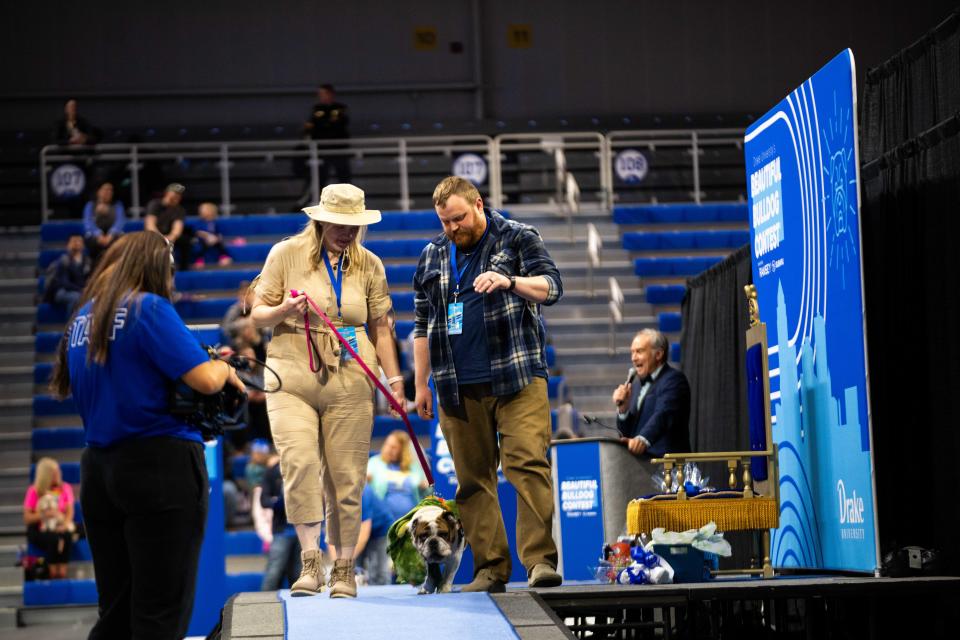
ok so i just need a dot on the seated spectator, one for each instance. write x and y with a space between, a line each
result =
395 480
239 328
371 548
257 464
283 559
103 220
211 248
66 277
48 513
166 216
73 129
263 516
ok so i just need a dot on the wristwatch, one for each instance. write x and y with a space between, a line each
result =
513 283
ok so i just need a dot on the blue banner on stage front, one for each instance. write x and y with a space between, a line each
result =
803 183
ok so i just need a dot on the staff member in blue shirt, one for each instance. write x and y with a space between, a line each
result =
143 476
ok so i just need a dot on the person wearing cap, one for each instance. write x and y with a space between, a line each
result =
322 418
166 216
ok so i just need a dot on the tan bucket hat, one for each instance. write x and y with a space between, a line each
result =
342 204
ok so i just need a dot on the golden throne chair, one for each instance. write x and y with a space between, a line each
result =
754 505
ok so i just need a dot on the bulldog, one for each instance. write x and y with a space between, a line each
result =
437 536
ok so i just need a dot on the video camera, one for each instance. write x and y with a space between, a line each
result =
212 413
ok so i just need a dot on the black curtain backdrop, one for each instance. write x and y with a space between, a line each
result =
911 187
715 321
712 344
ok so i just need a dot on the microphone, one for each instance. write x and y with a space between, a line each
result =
631 374
595 420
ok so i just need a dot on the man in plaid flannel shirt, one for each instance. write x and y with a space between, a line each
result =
478 290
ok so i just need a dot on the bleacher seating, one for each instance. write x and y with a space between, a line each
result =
673 266
681 213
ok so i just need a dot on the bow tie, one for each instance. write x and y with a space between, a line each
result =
647 380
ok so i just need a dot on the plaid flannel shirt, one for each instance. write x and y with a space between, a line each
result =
515 332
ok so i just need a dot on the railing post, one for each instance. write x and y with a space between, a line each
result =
695 150
225 205
134 167
44 194
402 160
496 174
313 161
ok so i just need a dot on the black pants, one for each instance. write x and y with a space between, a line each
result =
55 545
145 507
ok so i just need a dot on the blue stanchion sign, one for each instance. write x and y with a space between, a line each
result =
803 183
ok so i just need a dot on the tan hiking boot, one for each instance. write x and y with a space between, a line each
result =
311 580
343 580
543 575
485 581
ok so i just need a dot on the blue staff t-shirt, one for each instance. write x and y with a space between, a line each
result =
471 357
129 396
372 508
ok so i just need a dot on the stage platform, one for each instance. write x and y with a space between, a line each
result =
787 607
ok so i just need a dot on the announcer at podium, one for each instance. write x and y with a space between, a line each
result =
653 406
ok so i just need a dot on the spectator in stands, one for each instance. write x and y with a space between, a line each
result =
479 329
328 121
210 240
263 516
238 326
654 409
48 514
283 558
72 129
103 220
143 473
166 216
323 416
67 276
257 464
372 542
394 478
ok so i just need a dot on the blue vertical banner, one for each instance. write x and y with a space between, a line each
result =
802 169
211 593
579 484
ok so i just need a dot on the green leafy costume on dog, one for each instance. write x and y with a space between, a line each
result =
407 561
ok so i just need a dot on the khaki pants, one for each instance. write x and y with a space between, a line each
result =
523 424
321 424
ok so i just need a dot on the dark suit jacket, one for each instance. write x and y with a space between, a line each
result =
664 415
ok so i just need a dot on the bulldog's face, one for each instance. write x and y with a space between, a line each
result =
436 533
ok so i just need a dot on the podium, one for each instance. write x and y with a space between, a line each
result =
594 479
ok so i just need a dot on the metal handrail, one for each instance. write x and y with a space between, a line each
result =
694 139
226 152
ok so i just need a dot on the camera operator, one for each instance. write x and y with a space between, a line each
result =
143 476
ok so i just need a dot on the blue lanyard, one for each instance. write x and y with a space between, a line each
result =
336 281
457 274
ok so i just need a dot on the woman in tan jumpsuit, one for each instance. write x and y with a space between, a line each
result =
322 421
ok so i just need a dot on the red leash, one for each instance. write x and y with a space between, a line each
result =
389 396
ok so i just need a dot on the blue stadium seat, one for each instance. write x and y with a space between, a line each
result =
383 425
213 280
79 553
45 405
241 543
239 582
403 329
684 240
680 213
665 294
556 386
51 314
40 593
669 322
675 352
46 341
195 310
41 372
673 266
57 438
